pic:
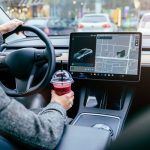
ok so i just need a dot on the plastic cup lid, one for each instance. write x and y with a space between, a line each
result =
62 76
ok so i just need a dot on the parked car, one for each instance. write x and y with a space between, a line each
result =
59 27
96 23
41 23
51 26
144 25
130 23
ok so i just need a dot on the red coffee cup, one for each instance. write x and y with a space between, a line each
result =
62 81
62 88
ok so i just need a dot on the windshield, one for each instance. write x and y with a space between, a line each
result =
61 17
93 18
37 22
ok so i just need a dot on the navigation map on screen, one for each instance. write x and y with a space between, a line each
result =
117 54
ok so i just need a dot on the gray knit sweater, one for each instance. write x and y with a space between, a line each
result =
41 130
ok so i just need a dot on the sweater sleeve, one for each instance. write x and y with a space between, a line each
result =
41 130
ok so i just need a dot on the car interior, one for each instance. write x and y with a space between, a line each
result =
111 85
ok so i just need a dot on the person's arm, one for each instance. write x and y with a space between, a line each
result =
43 130
8 27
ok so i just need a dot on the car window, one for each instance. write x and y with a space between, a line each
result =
89 19
38 22
61 17
3 19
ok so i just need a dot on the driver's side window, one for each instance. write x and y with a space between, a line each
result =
3 18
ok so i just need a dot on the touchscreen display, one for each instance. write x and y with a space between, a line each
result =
111 56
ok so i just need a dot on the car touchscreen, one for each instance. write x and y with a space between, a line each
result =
108 56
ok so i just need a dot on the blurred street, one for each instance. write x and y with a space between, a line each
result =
66 16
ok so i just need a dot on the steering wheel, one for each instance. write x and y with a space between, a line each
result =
22 63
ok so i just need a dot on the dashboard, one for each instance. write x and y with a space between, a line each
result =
61 45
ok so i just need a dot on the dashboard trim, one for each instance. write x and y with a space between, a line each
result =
103 115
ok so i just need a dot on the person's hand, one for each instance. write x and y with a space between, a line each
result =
10 26
65 100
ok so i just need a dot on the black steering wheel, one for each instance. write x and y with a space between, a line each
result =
22 63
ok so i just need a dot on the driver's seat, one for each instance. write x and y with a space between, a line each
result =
5 144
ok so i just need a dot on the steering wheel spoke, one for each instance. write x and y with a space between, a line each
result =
25 85
31 77
21 85
2 60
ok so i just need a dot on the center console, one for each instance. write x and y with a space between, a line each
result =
106 66
104 107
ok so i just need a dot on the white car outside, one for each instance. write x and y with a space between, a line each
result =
96 23
144 25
